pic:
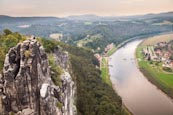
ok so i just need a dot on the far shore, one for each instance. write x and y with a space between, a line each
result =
160 79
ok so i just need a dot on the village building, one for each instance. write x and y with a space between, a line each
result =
98 57
160 52
109 47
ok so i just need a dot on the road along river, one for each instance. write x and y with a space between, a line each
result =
138 94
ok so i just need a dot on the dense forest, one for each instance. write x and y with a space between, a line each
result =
94 97
74 29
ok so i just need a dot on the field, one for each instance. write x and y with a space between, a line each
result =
156 39
153 71
164 23
56 36
88 23
83 42
105 71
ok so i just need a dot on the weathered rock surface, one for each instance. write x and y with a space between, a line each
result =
68 86
26 86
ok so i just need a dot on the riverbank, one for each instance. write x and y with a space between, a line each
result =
152 70
106 78
138 94
115 48
104 67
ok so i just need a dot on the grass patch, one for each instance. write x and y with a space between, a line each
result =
110 52
56 71
105 71
88 23
88 39
155 74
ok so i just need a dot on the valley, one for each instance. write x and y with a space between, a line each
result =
92 63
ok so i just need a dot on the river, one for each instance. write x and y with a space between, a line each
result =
138 94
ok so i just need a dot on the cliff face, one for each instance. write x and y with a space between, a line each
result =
26 85
68 88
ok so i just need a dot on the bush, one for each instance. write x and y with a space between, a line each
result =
57 71
167 69
27 53
8 40
49 45
7 32
59 105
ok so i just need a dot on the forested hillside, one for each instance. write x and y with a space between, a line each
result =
76 28
94 97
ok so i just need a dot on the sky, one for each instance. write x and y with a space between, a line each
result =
61 8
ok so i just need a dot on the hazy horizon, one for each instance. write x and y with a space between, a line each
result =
63 8
85 15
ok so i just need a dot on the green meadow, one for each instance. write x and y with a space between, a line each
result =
154 73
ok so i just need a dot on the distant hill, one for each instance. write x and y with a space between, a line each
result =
166 14
99 30
87 17
84 17
152 15
109 18
9 19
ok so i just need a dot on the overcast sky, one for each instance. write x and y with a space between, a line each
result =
60 8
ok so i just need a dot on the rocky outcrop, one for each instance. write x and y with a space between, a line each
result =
26 86
68 86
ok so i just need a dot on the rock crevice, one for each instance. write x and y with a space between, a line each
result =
26 85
